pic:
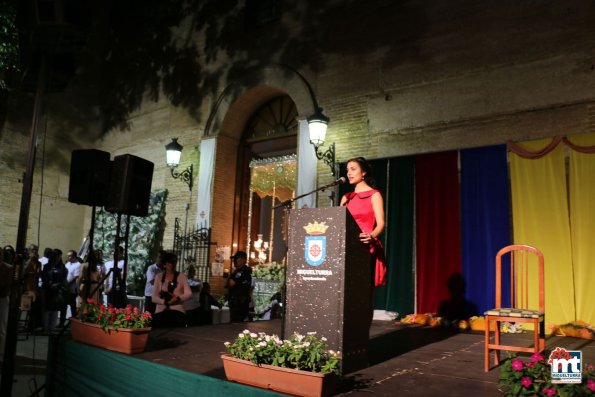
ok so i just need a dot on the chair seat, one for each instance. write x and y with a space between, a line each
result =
511 312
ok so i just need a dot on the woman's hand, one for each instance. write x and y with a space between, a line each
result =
366 238
174 300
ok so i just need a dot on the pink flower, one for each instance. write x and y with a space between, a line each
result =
530 364
591 385
517 364
549 391
526 381
536 357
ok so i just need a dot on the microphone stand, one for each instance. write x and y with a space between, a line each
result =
290 201
287 204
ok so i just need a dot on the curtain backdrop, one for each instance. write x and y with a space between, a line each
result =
485 214
398 294
540 219
438 229
582 221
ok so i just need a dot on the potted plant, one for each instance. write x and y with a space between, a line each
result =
533 378
300 365
124 330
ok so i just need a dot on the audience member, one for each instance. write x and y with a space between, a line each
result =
53 287
192 305
273 310
170 291
239 284
72 279
206 303
30 299
90 278
152 271
6 279
114 285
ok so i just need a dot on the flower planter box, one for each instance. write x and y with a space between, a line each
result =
124 340
284 380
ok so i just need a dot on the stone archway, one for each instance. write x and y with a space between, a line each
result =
227 121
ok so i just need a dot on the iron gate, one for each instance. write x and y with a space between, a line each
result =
193 248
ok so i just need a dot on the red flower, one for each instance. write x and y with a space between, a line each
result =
537 357
128 318
591 385
549 391
530 364
90 300
517 364
526 382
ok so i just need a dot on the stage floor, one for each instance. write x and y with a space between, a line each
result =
404 359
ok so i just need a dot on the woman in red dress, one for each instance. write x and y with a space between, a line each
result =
367 208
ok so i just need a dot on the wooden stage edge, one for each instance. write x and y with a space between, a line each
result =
404 358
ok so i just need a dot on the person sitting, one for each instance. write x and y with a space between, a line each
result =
152 272
170 291
206 305
192 305
273 310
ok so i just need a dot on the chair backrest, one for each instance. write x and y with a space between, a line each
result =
525 263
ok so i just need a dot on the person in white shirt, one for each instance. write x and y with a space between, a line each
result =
117 273
152 271
73 266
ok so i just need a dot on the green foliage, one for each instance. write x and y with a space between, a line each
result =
306 353
109 317
9 44
533 378
269 271
143 240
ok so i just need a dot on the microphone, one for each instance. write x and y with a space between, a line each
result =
339 181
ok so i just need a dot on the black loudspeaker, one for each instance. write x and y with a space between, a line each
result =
130 185
89 177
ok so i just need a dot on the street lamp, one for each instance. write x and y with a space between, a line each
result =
173 152
318 124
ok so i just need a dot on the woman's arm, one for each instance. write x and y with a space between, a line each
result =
157 292
343 200
378 207
186 291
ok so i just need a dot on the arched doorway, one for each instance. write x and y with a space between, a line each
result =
266 176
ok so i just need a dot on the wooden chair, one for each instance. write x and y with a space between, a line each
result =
522 257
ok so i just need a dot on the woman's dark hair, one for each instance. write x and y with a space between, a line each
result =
169 257
365 167
92 261
57 259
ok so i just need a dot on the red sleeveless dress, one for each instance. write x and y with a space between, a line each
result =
360 207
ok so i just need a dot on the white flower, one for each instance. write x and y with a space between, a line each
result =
312 333
331 352
227 343
323 339
246 331
306 344
253 335
240 335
